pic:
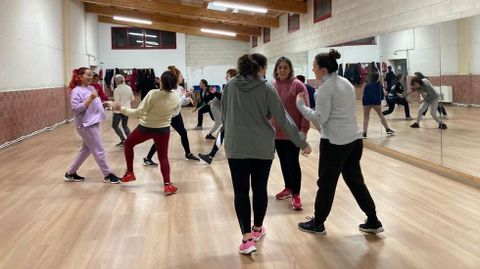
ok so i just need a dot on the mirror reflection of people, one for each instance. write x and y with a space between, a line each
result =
341 145
397 96
372 99
248 104
441 107
430 99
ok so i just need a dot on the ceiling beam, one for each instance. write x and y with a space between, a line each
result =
190 11
292 6
171 28
175 21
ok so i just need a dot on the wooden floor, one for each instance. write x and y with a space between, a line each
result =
458 147
430 221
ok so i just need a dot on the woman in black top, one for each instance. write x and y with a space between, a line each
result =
396 96
203 106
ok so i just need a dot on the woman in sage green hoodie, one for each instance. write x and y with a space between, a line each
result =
248 104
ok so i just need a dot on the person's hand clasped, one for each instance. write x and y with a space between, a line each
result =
307 151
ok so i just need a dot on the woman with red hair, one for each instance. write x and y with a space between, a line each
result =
88 112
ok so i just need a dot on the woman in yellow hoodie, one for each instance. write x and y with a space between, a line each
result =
154 113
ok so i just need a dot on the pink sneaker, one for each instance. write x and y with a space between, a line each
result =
247 248
258 235
286 193
296 203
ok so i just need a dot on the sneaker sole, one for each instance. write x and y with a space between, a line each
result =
313 232
297 208
203 161
256 239
66 179
372 231
248 251
150 164
284 197
187 159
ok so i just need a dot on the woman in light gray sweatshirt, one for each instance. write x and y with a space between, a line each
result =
248 104
341 144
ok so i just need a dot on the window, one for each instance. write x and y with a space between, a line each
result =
358 42
266 35
322 9
254 41
138 38
293 22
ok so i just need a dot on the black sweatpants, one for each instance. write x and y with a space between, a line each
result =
288 154
202 111
117 118
345 160
215 148
243 172
177 124
400 101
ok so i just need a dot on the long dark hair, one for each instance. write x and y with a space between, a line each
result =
250 64
280 60
328 60
205 82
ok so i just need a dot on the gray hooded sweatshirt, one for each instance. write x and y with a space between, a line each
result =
247 107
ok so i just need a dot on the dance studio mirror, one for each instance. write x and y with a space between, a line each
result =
447 55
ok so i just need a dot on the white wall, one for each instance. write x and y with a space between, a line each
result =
209 58
357 19
432 50
31 44
152 58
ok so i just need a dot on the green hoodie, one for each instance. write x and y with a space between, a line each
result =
248 104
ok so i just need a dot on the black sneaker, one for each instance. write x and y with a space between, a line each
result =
73 177
373 227
112 179
210 136
442 126
311 227
206 158
415 125
148 162
364 135
191 157
390 131
120 144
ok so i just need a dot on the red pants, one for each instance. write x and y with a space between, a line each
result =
161 142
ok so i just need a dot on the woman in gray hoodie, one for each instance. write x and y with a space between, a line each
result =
248 104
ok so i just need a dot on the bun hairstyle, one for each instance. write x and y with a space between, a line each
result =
77 77
250 64
328 60
232 72
174 70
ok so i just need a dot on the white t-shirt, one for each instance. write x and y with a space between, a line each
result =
123 95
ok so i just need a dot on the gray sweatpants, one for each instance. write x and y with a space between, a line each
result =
433 110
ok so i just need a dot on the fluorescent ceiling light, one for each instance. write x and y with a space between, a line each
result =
240 6
217 32
138 34
119 18
217 8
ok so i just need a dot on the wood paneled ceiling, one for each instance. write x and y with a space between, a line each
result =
189 16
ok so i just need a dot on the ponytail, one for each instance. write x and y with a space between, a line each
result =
76 77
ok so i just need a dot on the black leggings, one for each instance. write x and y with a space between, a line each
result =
177 124
243 172
201 111
215 147
345 160
288 154
397 100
